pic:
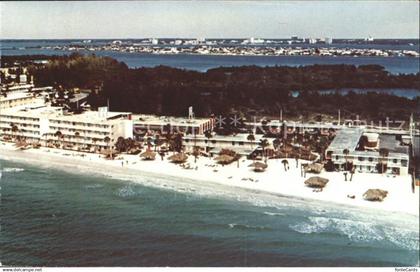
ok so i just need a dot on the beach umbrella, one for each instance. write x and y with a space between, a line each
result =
148 155
259 169
109 153
375 195
316 182
258 164
224 159
178 158
314 168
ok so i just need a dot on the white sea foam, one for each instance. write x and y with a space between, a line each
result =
94 186
354 230
402 238
10 170
245 226
360 231
126 191
274 213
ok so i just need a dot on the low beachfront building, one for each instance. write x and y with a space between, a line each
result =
151 123
18 99
89 131
367 152
214 144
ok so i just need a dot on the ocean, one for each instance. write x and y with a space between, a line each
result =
57 217
395 65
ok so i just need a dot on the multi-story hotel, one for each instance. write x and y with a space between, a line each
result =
18 99
362 150
90 130
143 123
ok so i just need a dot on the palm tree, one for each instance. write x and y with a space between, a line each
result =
346 154
178 142
76 135
264 143
285 164
251 139
94 140
352 171
208 136
156 141
276 143
120 144
107 140
58 134
149 141
14 129
383 153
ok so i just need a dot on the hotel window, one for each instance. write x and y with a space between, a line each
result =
394 160
337 157
404 163
370 159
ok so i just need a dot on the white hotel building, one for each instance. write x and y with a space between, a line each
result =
36 122
397 160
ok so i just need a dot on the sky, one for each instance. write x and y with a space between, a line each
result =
209 19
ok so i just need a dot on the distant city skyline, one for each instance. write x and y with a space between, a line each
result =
209 19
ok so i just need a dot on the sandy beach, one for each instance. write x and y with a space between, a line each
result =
275 180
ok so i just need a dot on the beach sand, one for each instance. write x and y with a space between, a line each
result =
275 180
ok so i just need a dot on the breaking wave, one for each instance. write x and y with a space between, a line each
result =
12 170
126 191
274 213
244 227
359 231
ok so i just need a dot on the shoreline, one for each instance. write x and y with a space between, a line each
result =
275 181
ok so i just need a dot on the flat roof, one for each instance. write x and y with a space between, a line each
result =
346 138
56 113
146 119
238 137
88 116
35 111
392 144
16 95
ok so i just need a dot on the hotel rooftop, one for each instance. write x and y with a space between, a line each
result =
164 120
346 138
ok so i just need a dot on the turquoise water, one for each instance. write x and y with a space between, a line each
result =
51 217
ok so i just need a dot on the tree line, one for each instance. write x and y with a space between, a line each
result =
246 90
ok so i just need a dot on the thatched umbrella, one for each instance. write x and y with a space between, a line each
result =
316 182
148 155
224 159
178 158
109 153
259 169
314 168
258 164
21 143
375 195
